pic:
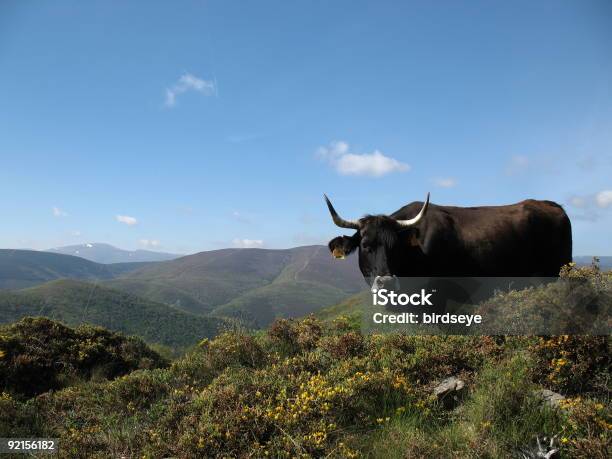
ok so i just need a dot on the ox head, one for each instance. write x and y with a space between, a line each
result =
385 245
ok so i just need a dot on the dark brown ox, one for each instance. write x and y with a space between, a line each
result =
530 238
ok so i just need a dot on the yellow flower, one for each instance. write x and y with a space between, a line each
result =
564 440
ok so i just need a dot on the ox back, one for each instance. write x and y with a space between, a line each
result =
530 238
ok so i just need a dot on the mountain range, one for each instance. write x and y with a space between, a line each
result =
26 268
254 285
106 253
177 302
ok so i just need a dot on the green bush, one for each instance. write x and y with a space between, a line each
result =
572 364
38 355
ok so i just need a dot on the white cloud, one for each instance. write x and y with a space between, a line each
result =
130 221
335 149
603 199
57 212
76 233
445 182
248 243
149 243
189 82
374 164
590 206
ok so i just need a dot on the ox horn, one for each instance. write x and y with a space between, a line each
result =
338 220
415 220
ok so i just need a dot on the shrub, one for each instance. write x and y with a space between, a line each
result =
38 354
343 346
17 419
587 427
296 336
572 364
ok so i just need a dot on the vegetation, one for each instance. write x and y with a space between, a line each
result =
259 307
38 355
605 263
579 302
311 388
75 302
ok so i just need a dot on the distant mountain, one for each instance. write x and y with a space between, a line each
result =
253 284
106 253
26 268
76 302
604 262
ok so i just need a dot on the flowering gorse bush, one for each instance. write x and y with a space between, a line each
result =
572 364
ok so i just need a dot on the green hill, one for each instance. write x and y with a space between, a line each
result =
255 283
351 307
76 302
259 307
25 268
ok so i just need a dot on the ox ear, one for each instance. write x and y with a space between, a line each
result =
342 246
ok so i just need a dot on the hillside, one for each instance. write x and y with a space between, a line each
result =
351 308
25 268
76 302
38 355
106 253
247 281
313 389
259 307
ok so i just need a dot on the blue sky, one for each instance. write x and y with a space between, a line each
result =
190 126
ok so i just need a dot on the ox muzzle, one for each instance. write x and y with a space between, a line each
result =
387 282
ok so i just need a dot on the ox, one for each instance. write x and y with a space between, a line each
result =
530 238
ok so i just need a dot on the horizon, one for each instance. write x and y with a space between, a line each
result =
51 249
216 126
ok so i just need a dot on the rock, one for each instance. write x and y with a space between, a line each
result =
544 449
549 397
449 386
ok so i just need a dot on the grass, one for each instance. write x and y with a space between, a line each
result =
320 388
312 389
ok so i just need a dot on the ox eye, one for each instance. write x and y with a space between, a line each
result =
366 246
